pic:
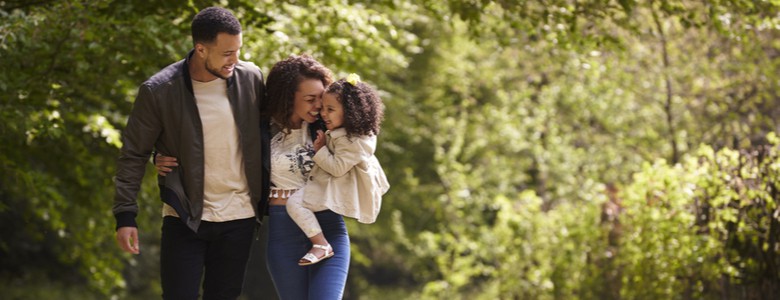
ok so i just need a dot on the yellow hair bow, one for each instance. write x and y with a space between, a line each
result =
353 79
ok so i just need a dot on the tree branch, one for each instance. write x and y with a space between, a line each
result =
12 5
668 82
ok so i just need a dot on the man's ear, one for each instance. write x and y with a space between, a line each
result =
201 50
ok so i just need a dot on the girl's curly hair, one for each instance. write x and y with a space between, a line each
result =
363 109
283 81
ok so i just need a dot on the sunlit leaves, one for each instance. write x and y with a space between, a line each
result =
341 34
513 131
684 219
564 120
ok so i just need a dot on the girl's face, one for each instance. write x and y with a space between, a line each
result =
308 102
333 112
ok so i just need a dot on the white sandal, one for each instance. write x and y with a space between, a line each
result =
311 259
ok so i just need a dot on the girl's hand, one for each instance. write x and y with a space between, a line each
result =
163 164
320 141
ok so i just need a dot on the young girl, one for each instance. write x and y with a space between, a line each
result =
347 178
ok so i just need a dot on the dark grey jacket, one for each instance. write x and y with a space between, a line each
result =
165 118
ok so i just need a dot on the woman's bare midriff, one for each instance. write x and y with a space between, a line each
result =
280 201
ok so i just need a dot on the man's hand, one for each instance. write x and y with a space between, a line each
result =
163 164
127 238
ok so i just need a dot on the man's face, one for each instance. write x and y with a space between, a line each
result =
221 55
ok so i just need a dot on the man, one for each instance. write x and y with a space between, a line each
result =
205 111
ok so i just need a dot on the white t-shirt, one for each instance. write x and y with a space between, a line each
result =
291 158
225 191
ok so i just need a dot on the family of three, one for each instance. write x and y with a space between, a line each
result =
232 149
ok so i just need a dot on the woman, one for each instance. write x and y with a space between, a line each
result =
294 90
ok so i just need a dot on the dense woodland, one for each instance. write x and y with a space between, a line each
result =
550 149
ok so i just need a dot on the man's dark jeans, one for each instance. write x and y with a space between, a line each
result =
221 249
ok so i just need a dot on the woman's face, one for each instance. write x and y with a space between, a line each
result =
333 112
308 102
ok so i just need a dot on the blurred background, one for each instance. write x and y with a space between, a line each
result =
551 149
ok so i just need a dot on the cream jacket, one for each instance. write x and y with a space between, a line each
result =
347 177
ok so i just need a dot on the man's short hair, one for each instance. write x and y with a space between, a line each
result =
211 21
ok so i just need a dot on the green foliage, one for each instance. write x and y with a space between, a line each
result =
67 85
689 226
564 120
536 150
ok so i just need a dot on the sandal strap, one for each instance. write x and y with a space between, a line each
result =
327 248
310 257
313 259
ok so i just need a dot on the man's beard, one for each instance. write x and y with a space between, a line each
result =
214 72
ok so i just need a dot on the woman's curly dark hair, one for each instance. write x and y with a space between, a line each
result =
283 81
363 109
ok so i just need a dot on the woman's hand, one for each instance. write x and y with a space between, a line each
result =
163 164
320 141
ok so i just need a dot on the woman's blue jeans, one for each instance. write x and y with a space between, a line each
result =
287 244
